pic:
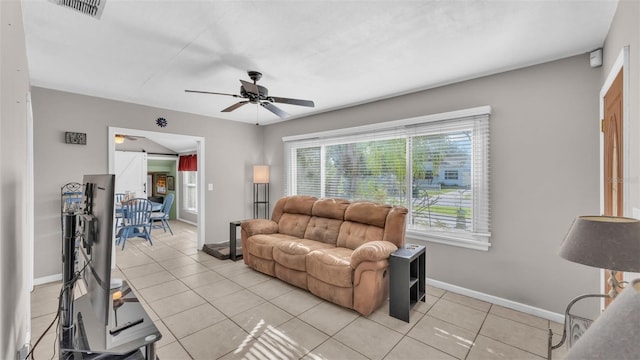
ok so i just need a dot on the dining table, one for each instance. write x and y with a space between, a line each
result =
120 210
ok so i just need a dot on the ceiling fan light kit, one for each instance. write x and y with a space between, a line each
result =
257 94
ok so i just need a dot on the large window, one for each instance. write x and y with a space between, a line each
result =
437 166
190 190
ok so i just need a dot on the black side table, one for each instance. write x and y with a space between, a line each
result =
232 241
407 280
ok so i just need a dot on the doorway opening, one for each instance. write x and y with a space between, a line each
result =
179 144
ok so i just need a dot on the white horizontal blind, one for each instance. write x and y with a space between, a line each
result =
438 169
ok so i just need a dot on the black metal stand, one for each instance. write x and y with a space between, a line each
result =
233 255
261 199
567 314
68 270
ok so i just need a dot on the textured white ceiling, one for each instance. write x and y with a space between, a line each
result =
335 53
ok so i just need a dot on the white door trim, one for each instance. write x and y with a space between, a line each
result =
621 63
201 167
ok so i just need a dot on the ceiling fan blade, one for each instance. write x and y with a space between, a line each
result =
299 102
235 106
250 87
274 109
210 92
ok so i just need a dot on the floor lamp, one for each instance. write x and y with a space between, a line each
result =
605 242
260 187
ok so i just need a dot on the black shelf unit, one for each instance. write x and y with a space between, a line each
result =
407 268
261 200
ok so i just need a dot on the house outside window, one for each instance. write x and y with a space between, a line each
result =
190 191
443 159
451 174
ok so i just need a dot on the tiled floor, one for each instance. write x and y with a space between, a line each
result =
207 308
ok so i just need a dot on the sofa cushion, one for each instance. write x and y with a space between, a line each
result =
293 224
332 266
367 213
394 228
299 204
262 245
330 208
323 229
292 253
353 234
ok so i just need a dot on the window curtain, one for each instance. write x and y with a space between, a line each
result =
188 163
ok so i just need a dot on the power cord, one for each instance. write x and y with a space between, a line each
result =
65 287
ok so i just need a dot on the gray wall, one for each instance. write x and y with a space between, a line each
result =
14 241
57 163
544 172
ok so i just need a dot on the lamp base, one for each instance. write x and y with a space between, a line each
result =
567 317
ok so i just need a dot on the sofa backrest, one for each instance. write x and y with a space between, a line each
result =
326 218
364 222
292 214
339 222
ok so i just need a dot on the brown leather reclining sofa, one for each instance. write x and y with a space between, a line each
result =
336 249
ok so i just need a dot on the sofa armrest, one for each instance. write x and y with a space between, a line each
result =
259 226
372 251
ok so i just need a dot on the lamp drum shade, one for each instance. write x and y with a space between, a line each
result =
260 174
605 242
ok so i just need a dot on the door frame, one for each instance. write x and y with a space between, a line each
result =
622 63
200 146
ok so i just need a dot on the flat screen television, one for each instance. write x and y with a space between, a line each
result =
96 225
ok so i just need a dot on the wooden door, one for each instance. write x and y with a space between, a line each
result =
612 147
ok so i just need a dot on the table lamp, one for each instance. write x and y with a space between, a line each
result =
616 333
605 242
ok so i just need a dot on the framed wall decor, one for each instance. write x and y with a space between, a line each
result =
161 184
171 186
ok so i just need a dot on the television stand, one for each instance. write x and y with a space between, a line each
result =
91 339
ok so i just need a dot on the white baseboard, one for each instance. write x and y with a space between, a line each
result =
528 309
187 221
47 279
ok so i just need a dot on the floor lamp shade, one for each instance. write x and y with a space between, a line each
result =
260 174
605 242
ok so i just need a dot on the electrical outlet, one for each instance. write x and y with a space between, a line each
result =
210 187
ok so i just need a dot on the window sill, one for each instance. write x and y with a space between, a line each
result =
190 211
450 240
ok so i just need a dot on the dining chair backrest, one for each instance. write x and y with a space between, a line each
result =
166 205
120 197
137 211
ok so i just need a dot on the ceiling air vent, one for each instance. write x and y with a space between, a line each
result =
92 8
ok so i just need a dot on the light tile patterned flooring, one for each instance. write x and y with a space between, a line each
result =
207 308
